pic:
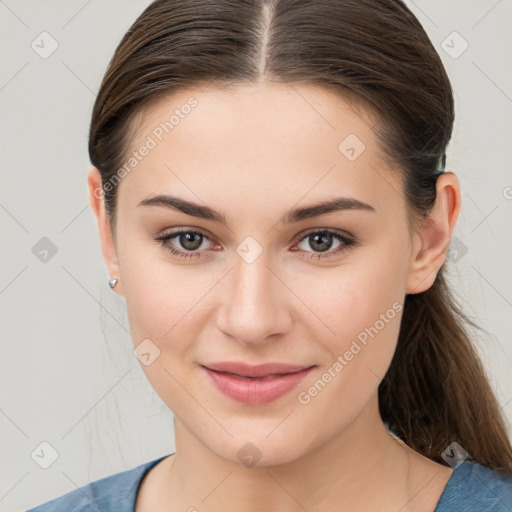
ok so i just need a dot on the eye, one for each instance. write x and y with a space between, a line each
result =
191 241
187 239
322 241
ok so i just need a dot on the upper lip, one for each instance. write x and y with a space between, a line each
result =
261 370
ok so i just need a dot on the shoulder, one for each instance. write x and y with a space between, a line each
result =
113 493
476 488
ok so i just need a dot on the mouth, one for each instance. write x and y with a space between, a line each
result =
255 385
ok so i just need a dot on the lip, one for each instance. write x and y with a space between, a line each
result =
255 385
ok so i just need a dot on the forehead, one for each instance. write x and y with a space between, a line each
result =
276 141
290 112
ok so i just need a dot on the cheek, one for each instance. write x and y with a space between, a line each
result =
160 295
360 306
162 303
350 298
366 324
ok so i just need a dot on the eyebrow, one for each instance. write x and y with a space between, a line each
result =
295 215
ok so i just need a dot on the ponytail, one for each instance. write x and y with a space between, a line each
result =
436 391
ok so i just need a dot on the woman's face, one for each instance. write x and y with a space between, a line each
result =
264 284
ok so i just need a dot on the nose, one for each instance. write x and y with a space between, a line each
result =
255 305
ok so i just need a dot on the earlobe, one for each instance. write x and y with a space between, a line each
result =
431 243
108 247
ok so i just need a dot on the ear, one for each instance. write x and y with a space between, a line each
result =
97 202
432 241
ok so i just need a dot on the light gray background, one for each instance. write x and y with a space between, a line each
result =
68 375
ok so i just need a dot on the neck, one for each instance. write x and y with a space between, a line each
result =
362 468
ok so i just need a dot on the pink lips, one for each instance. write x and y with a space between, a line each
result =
255 385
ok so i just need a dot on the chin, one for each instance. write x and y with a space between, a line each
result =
256 449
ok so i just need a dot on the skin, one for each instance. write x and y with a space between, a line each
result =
253 153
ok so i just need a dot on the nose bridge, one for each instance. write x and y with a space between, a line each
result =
255 306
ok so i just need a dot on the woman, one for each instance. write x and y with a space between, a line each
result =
270 197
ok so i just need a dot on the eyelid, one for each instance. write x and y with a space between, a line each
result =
174 232
309 231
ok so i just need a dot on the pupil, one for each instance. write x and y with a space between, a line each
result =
190 241
323 240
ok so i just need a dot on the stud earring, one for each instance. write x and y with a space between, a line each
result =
112 281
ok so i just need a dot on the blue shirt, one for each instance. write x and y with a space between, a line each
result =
471 488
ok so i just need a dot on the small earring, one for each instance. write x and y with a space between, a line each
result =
112 281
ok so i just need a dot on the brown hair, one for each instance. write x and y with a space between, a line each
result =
375 52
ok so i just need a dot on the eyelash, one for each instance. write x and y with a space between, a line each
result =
347 243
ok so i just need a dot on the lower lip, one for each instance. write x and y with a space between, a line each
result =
255 391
